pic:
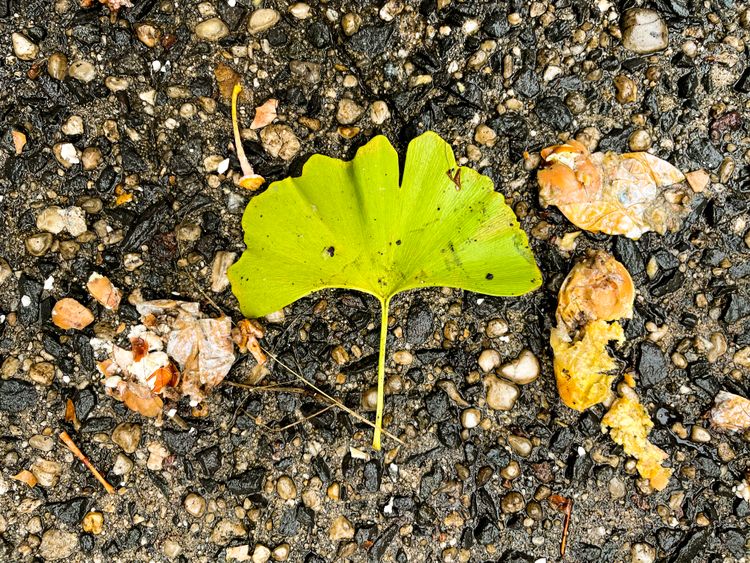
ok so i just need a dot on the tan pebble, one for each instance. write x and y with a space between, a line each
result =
286 488
501 395
195 505
524 369
341 529
488 360
403 357
281 552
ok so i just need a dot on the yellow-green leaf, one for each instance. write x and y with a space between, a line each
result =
354 225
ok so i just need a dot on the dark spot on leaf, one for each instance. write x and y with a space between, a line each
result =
330 250
398 242
489 276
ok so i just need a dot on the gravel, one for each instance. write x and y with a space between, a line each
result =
127 168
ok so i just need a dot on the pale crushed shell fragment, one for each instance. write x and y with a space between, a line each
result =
265 114
730 412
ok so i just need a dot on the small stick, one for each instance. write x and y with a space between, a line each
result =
68 441
564 505
327 397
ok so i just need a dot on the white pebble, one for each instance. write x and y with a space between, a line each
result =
524 369
488 360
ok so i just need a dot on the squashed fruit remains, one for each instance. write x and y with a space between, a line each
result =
582 365
629 426
598 292
174 352
618 194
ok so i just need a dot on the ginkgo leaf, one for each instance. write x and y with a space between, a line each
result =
351 225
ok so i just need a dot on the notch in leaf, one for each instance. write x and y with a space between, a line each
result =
351 225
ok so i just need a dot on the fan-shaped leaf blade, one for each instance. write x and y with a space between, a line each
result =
350 225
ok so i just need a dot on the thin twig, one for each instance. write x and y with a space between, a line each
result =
298 422
328 397
68 441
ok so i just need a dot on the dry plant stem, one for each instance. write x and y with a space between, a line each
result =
326 395
68 441
304 419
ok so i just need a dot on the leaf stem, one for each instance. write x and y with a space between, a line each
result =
247 170
381 372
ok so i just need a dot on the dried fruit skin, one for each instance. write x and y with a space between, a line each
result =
140 399
265 114
27 477
69 313
245 335
628 194
172 332
629 426
581 366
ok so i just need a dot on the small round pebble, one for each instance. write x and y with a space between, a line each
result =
501 395
127 435
470 418
524 369
488 360
341 529
195 505
23 47
639 140
348 111
700 435
262 20
512 502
